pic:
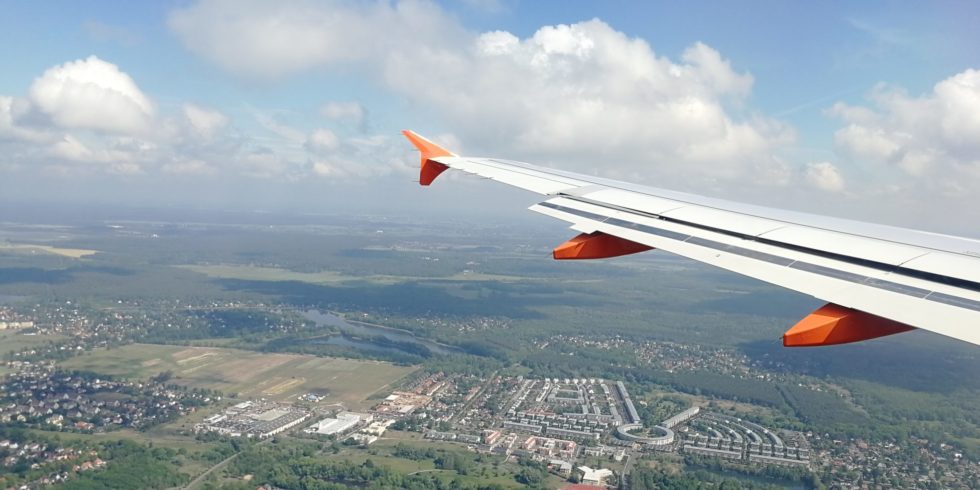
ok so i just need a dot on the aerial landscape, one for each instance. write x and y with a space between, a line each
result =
231 354
218 268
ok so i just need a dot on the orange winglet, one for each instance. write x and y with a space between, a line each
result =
834 324
597 245
430 169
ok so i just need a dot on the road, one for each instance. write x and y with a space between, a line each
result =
455 418
221 464
626 469
427 471
200 478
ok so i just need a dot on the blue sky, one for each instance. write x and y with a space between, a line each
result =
840 107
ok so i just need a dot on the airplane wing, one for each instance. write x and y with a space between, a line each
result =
877 280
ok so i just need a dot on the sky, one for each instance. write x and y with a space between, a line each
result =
868 110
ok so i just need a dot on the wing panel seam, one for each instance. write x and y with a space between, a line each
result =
803 266
871 264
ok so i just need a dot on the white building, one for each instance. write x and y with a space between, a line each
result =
344 422
681 417
378 428
595 477
363 439
562 467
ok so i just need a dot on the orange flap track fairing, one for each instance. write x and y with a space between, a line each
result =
597 245
834 324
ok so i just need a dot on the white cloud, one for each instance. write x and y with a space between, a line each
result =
11 111
959 101
70 148
930 142
824 176
278 128
81 116
599 101
359 158
118 157
189 167
322 141
271 39
205 122
263 163
350 111
715 72
92 94
868 142
88 117
585 94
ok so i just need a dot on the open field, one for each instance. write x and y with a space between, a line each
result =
11 341
501 473
75 253
256 273
154 437
703 401
247 373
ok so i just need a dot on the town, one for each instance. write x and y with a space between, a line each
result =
587 430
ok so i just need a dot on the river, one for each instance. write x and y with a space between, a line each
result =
358 329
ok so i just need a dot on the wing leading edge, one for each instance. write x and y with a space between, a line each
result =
877 280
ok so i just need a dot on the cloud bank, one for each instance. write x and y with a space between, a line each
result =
580 96
584 95
89 116
929 143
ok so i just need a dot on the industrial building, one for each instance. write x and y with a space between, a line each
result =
254 419
341 423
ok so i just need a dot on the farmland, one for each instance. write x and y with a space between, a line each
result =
12 341
75 253
246 373
256 273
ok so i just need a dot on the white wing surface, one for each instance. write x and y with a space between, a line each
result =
877 280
